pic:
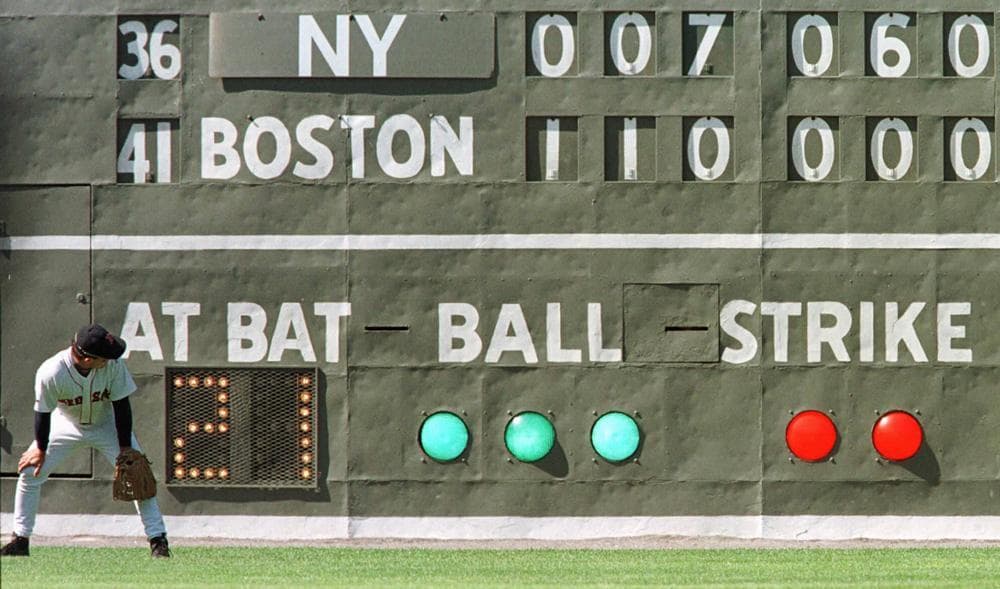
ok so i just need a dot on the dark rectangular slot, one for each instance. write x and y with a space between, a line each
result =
387 328
670 328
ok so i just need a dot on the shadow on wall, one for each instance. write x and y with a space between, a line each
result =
4 244
6 438
924 464
555 462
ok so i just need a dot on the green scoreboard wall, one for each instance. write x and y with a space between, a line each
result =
516 270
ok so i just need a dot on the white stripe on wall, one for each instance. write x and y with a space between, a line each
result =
45 242
797 527
510 241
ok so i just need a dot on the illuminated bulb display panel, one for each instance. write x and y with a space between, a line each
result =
241 427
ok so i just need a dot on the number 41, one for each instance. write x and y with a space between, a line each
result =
132 160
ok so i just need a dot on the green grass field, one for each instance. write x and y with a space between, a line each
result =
51 567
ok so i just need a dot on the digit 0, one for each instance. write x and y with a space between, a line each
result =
822 27
982 36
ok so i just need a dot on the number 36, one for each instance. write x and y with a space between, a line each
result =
164 58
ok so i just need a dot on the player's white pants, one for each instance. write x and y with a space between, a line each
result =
64 438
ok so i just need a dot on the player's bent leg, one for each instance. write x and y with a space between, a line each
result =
152 522
29 486
149 509
26 499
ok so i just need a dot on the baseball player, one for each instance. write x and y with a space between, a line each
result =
81 401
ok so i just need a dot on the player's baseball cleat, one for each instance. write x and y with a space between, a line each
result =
18 546
158 547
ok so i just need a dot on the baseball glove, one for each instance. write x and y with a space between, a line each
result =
134 479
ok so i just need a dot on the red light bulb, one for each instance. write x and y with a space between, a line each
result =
897 436
811 436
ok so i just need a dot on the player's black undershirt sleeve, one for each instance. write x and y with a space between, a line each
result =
43 424
123 421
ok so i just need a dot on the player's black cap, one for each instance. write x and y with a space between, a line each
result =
93 340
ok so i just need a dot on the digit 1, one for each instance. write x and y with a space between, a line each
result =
163 153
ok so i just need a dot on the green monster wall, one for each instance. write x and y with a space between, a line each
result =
710 217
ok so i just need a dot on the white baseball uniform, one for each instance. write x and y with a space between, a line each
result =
82 417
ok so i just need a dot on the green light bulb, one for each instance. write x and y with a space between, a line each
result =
615 436
529 436
443 436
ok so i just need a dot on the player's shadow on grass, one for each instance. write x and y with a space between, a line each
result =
924 464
